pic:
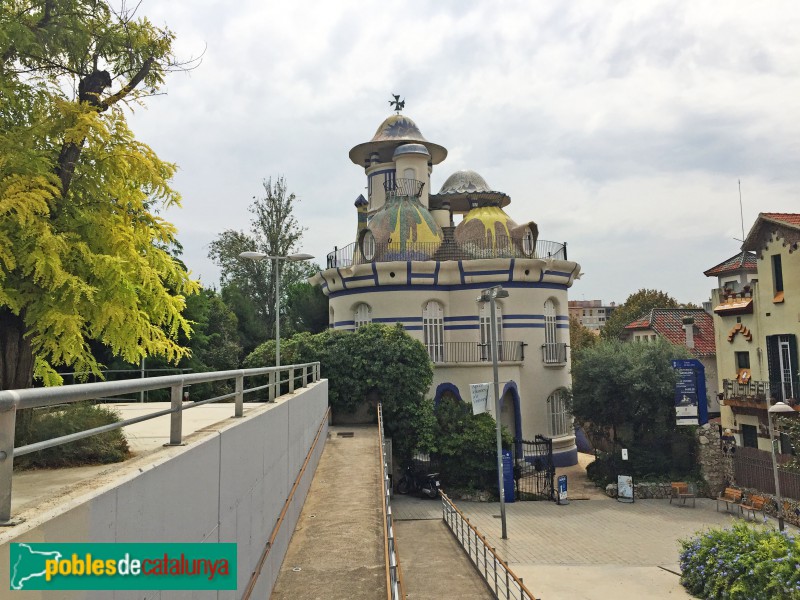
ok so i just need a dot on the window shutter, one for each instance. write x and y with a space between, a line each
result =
774 366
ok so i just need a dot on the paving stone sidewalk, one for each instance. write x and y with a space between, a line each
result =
595 548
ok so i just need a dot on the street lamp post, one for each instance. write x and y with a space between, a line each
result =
258 256
777 408
490 295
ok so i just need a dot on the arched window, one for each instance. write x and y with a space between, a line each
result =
331 322
486 330
560 419
433 330
554 353
362 315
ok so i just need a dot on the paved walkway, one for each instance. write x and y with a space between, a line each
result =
336 550
31 488
591 549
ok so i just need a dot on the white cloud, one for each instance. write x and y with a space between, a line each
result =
621 128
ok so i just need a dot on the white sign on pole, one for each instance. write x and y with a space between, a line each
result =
480 397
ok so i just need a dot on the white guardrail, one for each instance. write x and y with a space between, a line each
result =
13 400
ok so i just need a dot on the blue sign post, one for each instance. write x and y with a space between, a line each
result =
508 476
562 490
691 404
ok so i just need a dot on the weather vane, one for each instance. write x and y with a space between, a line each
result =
398 104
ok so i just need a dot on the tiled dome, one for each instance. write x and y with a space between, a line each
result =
463 188
402 229
394 131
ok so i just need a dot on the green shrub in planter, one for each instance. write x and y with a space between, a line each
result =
741 563
107 447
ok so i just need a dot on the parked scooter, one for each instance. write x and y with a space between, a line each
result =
424 484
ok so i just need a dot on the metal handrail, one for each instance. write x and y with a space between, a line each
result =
394 574
251 584
13 400
733 389
502 581
498 247
554 353
472 352
403 186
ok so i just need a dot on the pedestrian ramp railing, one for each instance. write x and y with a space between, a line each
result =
394 574
502 581
278 378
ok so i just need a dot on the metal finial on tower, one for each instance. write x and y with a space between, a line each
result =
398 104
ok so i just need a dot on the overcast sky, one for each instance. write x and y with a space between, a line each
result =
621 128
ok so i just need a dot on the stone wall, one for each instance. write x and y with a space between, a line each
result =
643 491
716 466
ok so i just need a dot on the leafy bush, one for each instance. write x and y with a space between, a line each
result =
107 447
741 563
603 470
466 446
375 362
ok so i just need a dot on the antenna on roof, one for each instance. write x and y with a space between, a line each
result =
741 212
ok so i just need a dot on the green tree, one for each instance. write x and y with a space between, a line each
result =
274 231
306 307
466 445
580 336
636 305
626 392
214 344
374 363
83 253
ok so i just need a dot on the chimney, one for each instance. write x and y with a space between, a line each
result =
688 327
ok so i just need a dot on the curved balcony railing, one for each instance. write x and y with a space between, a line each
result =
404 187
501 247
473 352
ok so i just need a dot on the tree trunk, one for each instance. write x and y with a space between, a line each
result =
16 356
16 367
90 89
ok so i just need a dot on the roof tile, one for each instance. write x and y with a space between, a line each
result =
788 218
744 260
668 323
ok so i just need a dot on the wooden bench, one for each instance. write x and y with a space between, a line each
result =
731 496
752 504
680 491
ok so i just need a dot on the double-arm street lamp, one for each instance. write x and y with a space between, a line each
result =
490 295
258 256
777 408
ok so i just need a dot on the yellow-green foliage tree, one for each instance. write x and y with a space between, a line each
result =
83 253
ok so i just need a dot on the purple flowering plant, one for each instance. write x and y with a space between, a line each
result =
741 562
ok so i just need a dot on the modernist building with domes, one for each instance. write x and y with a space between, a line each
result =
422 259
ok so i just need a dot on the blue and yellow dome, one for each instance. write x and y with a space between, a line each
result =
487 231
485 226
403 229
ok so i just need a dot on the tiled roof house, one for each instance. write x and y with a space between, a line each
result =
669 324
692 328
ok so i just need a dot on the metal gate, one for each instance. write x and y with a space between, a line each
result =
533 469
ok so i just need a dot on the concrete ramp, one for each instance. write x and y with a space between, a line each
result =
337 549
434 564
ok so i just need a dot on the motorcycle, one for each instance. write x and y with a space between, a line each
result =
424 484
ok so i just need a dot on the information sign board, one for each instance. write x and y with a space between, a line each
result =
691 404
479 392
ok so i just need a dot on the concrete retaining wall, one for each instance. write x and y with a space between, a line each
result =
228 484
